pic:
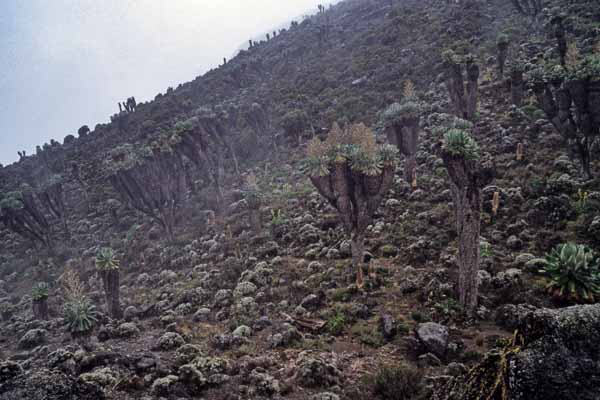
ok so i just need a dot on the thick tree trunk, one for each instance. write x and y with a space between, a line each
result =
516 87
410 141
472 90
255 222
405 136
410 168
166 218
219 194
467 177
114 217
585 160
110 280
40 309
233 157
502 53
456 89
467 210
358 254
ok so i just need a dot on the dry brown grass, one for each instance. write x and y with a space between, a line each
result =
71 284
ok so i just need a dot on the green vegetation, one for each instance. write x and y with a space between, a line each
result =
294 123
582 200
502 43
441 123
234 277
353 173
277 217
22 214
80 316
460 144
419 316
399 113
335 324
397 382
490 378
356 146
581 68
485 249
342 295
12 201
566 89
40 291
106 260
574 272
368 334
448 307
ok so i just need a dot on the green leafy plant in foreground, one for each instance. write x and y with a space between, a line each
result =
80 316
574 272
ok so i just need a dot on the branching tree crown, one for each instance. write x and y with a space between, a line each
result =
570 97
294 123
400 122
50 194
20 213
463 98
353 173
151 179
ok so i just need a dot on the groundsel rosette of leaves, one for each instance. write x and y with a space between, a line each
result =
459 143
574 272
40 291
106 260
80 315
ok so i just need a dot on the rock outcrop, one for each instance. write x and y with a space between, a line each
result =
557 358
45 384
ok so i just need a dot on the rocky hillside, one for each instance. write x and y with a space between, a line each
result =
187 250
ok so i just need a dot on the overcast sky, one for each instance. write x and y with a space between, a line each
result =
66 63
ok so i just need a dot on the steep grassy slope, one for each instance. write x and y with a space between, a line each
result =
346 64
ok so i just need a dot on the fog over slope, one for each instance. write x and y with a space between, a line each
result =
67 63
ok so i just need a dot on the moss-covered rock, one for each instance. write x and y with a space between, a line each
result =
555 355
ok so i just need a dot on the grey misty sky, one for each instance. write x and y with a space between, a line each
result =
66 63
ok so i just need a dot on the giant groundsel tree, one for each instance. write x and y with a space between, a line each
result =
21 213
353 173
463 98
468 175
51 196
401 124
203 139
570 98
108 268
151 179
